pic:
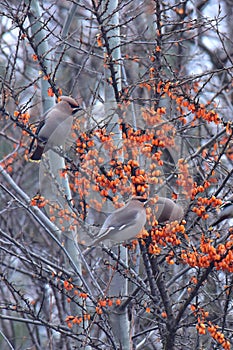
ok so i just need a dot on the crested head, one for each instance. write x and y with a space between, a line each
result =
70 100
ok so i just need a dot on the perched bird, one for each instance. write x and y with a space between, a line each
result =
166 210
124 223
226 211
55 127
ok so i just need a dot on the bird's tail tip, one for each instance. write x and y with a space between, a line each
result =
37 154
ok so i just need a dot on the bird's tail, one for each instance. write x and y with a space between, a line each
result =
37 154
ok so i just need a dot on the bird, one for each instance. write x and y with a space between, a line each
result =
226 211
167 211
124 223
55 126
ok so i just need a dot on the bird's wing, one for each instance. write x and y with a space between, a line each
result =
220 219
225 205
118 221
41 124
55 125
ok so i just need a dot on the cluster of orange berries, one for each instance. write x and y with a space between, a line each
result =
226 253
202 203
167 234
183 104
22 117
215 334
201 315
121 174
69 286
199 111
102 303
147 141
106 182
212 329
170 258
133 137
154 249
50 90
184 178
199 189
191 258
164 88
212 254
84 143
72 320
195 259
152 116
81 185
105 303
218 336
38 201
213 201
210 116
8 162
139 180
201 211
221 256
